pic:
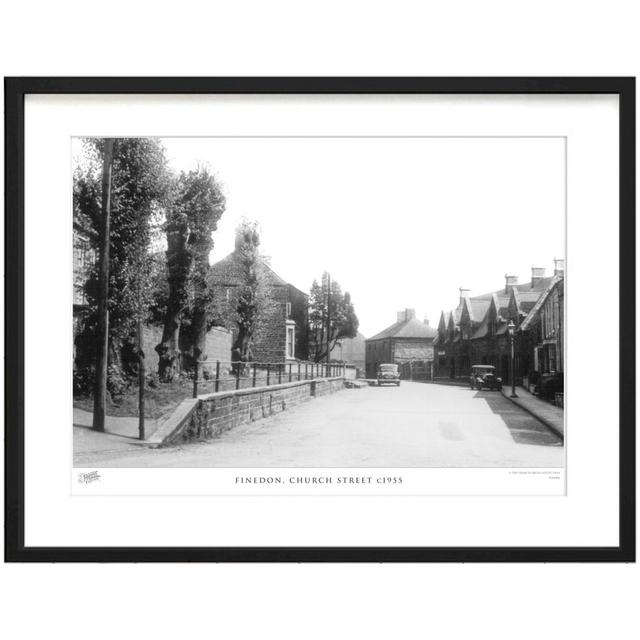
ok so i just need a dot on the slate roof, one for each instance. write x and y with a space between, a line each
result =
540 285
540 301
526 294
228 272
412 328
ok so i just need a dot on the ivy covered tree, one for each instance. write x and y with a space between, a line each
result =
140 189
192 216
327 304
253 303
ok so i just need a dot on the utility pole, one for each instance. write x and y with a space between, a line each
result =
328 320
141 377
100 391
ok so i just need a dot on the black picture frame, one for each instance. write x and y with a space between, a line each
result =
15 91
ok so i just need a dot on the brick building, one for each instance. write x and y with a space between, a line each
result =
407 340
475 332
282 335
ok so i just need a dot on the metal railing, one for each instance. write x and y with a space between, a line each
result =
227 376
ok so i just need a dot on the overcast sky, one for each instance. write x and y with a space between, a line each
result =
398 222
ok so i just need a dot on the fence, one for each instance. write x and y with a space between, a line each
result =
209 377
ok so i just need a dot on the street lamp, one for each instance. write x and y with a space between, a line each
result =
511 329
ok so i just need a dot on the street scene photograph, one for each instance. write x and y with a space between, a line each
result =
319 302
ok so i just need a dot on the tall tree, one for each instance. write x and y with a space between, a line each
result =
196 207
140 182
329 306
253 303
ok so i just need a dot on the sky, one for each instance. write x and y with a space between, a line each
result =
398 222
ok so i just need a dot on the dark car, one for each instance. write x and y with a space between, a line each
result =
483 376
388 374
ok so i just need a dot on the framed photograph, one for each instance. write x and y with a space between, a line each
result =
320 319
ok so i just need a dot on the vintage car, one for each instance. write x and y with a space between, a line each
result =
483 376
388 374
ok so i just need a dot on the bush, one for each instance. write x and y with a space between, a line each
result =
117 381
83 381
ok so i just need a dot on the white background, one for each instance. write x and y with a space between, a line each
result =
587 516
469 38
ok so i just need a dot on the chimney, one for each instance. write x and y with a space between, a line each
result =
405 315
509 282
463 294
537 273
559 267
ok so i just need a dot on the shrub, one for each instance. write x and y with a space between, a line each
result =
117 381
83 381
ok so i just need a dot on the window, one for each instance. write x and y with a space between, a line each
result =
290 342
288 309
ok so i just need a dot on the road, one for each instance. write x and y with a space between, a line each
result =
414 425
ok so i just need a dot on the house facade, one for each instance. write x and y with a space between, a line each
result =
476 331
281 335
408 340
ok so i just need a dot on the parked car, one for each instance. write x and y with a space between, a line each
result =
388 374
483 376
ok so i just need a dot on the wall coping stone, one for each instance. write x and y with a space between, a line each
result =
271 387
170 428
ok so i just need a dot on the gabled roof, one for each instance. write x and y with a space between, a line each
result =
524 301
524 295
412 328
228 272
535 309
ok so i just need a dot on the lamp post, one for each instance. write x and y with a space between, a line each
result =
511 328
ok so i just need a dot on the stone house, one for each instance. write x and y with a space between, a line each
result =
476 331
282 335
407 340
545 327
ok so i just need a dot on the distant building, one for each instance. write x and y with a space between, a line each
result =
407 340
283 333
351 351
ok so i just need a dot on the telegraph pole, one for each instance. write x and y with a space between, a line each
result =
100 392
328 320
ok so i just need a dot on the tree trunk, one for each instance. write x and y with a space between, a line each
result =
168 350
201 248
178 263
198 334
100 392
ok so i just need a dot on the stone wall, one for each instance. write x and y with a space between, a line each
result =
210 415
218 346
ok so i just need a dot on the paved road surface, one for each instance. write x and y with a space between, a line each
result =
414 425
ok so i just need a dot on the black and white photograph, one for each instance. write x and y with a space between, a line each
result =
319 302
355 311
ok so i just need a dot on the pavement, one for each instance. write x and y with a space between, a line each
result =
414 425
550 415
120 435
